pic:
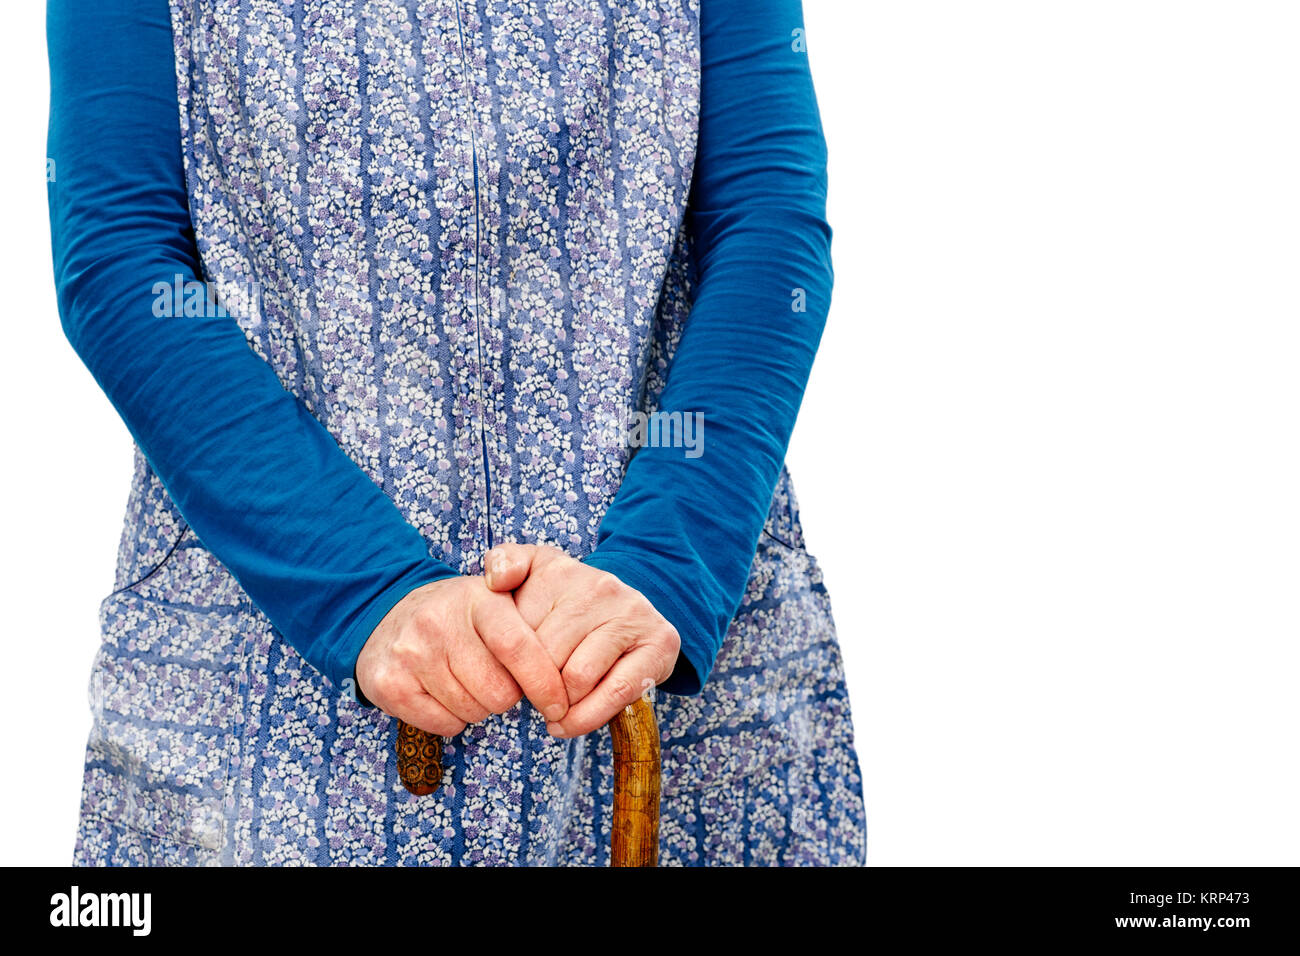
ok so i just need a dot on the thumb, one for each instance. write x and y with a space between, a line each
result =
506 566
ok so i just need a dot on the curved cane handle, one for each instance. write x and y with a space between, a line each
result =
634 831
419 759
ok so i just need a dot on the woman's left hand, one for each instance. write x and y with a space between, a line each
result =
609 642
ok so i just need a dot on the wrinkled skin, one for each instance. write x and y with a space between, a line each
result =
576 641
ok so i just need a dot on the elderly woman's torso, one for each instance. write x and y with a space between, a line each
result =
462 228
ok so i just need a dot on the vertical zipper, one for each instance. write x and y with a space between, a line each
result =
478 324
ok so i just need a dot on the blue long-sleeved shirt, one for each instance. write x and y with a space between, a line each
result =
320 549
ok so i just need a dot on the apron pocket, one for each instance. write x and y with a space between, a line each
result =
776 690
165 703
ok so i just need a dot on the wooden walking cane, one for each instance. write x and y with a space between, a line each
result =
634 831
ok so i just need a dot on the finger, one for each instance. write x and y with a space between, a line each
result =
633 674
506 566
420 710
515 645
588 599
482 676
452 695
564 628
435 676
594 656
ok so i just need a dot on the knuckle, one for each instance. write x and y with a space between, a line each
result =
622 690
406 650
648 619
606 586
670 640
500 696
384 685
405 697
510 642
581 675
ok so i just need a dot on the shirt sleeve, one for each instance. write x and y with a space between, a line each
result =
316 545
684 530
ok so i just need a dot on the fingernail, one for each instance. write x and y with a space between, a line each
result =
555 712
555 730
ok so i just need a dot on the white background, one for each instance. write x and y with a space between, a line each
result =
1048 459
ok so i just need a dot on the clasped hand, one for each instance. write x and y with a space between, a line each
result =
576 641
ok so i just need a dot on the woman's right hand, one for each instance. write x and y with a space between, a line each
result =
452 652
